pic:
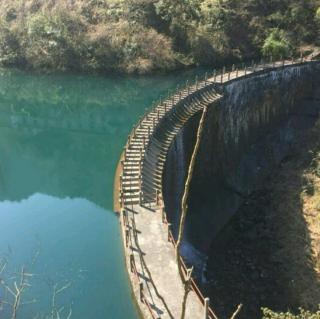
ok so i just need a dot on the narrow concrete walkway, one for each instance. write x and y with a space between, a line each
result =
157 269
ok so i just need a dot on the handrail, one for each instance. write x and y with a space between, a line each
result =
194 286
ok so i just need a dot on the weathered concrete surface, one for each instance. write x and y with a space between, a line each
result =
157 268
244 138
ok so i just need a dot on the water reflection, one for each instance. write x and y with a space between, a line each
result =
60 140
63 230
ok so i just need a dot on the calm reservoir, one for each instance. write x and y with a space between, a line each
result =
60 140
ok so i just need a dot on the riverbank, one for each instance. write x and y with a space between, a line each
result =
143 36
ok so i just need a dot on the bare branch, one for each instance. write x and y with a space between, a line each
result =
184 209
236 312
70 313
63 288
4 262
29 302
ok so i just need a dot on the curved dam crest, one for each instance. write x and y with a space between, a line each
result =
232 162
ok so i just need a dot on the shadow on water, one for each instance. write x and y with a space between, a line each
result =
264 257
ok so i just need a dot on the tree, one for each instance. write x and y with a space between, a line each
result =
184 209
277 45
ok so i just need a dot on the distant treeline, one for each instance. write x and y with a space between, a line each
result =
147 35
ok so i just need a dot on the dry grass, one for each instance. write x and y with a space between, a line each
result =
311 206
299 228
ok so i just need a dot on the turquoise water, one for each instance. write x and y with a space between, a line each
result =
60 140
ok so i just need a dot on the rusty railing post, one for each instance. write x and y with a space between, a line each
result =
131 259
140 181
124 216
144 141
125 153
140 166
169 229
127 236
206 308
141 291
122 203
162 214
157 197
120 182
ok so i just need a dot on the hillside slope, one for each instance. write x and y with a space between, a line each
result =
147 35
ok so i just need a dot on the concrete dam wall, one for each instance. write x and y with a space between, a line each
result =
245 138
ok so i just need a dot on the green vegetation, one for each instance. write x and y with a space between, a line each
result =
146 35
277 45
268 314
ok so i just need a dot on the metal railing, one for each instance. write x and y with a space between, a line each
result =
146 127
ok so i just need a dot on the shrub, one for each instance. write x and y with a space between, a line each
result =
10 50
277 45
54 40
100 53
317 20
209 47
126 47
269 314
317 16
152 50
